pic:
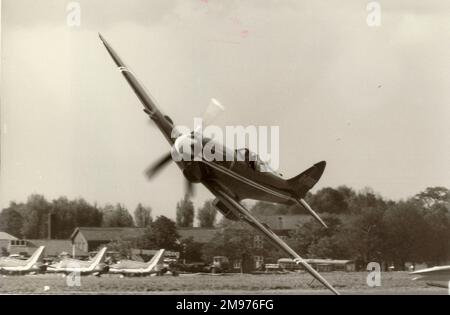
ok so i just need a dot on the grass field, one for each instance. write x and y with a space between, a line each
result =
295 283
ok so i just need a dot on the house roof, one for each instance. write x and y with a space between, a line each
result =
108 233
314 261
56 247
7 237
52 247
284 222
200 235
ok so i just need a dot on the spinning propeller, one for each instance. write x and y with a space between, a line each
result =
212 111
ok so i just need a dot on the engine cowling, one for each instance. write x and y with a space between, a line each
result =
186 148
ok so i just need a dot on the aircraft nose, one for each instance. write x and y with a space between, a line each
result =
186 147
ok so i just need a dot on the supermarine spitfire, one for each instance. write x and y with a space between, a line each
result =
229 181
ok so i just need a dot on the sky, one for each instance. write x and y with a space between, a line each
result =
371 101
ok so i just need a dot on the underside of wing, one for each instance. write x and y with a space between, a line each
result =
264 189
242 213
433 271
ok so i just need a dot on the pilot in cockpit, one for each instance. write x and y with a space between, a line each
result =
249 157
254 161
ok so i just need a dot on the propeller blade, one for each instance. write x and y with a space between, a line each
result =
156 167
212 111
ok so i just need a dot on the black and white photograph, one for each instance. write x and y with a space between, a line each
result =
249 148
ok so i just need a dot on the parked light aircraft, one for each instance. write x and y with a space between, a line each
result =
96 266
137 268
33 264
436 276
229 181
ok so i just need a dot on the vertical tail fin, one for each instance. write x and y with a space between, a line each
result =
303 182
37 256
99 258
155 261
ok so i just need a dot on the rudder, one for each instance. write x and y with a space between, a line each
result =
303 182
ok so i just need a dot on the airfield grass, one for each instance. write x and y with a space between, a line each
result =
397 282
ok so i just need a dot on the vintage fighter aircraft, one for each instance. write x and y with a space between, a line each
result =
137 268
438 276
95 266
32 265
229 181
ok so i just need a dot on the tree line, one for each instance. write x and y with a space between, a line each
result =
30 220
363 226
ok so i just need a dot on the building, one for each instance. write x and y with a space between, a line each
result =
5 241
90 238
283 225
53 248
199 235
321 265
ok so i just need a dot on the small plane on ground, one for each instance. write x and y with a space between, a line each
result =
436 276
96 266
32 265
229 181
137 268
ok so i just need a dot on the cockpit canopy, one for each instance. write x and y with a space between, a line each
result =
244 154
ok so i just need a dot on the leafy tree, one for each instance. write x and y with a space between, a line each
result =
346 192
363 235
122 247
437 220
185 212
309 234
366 198
69 214
207 215
329 247
87 214
434 195
404 231
162 233
236 240
11 221
142 216
30 219
191 251
117 216
329 200
35 215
